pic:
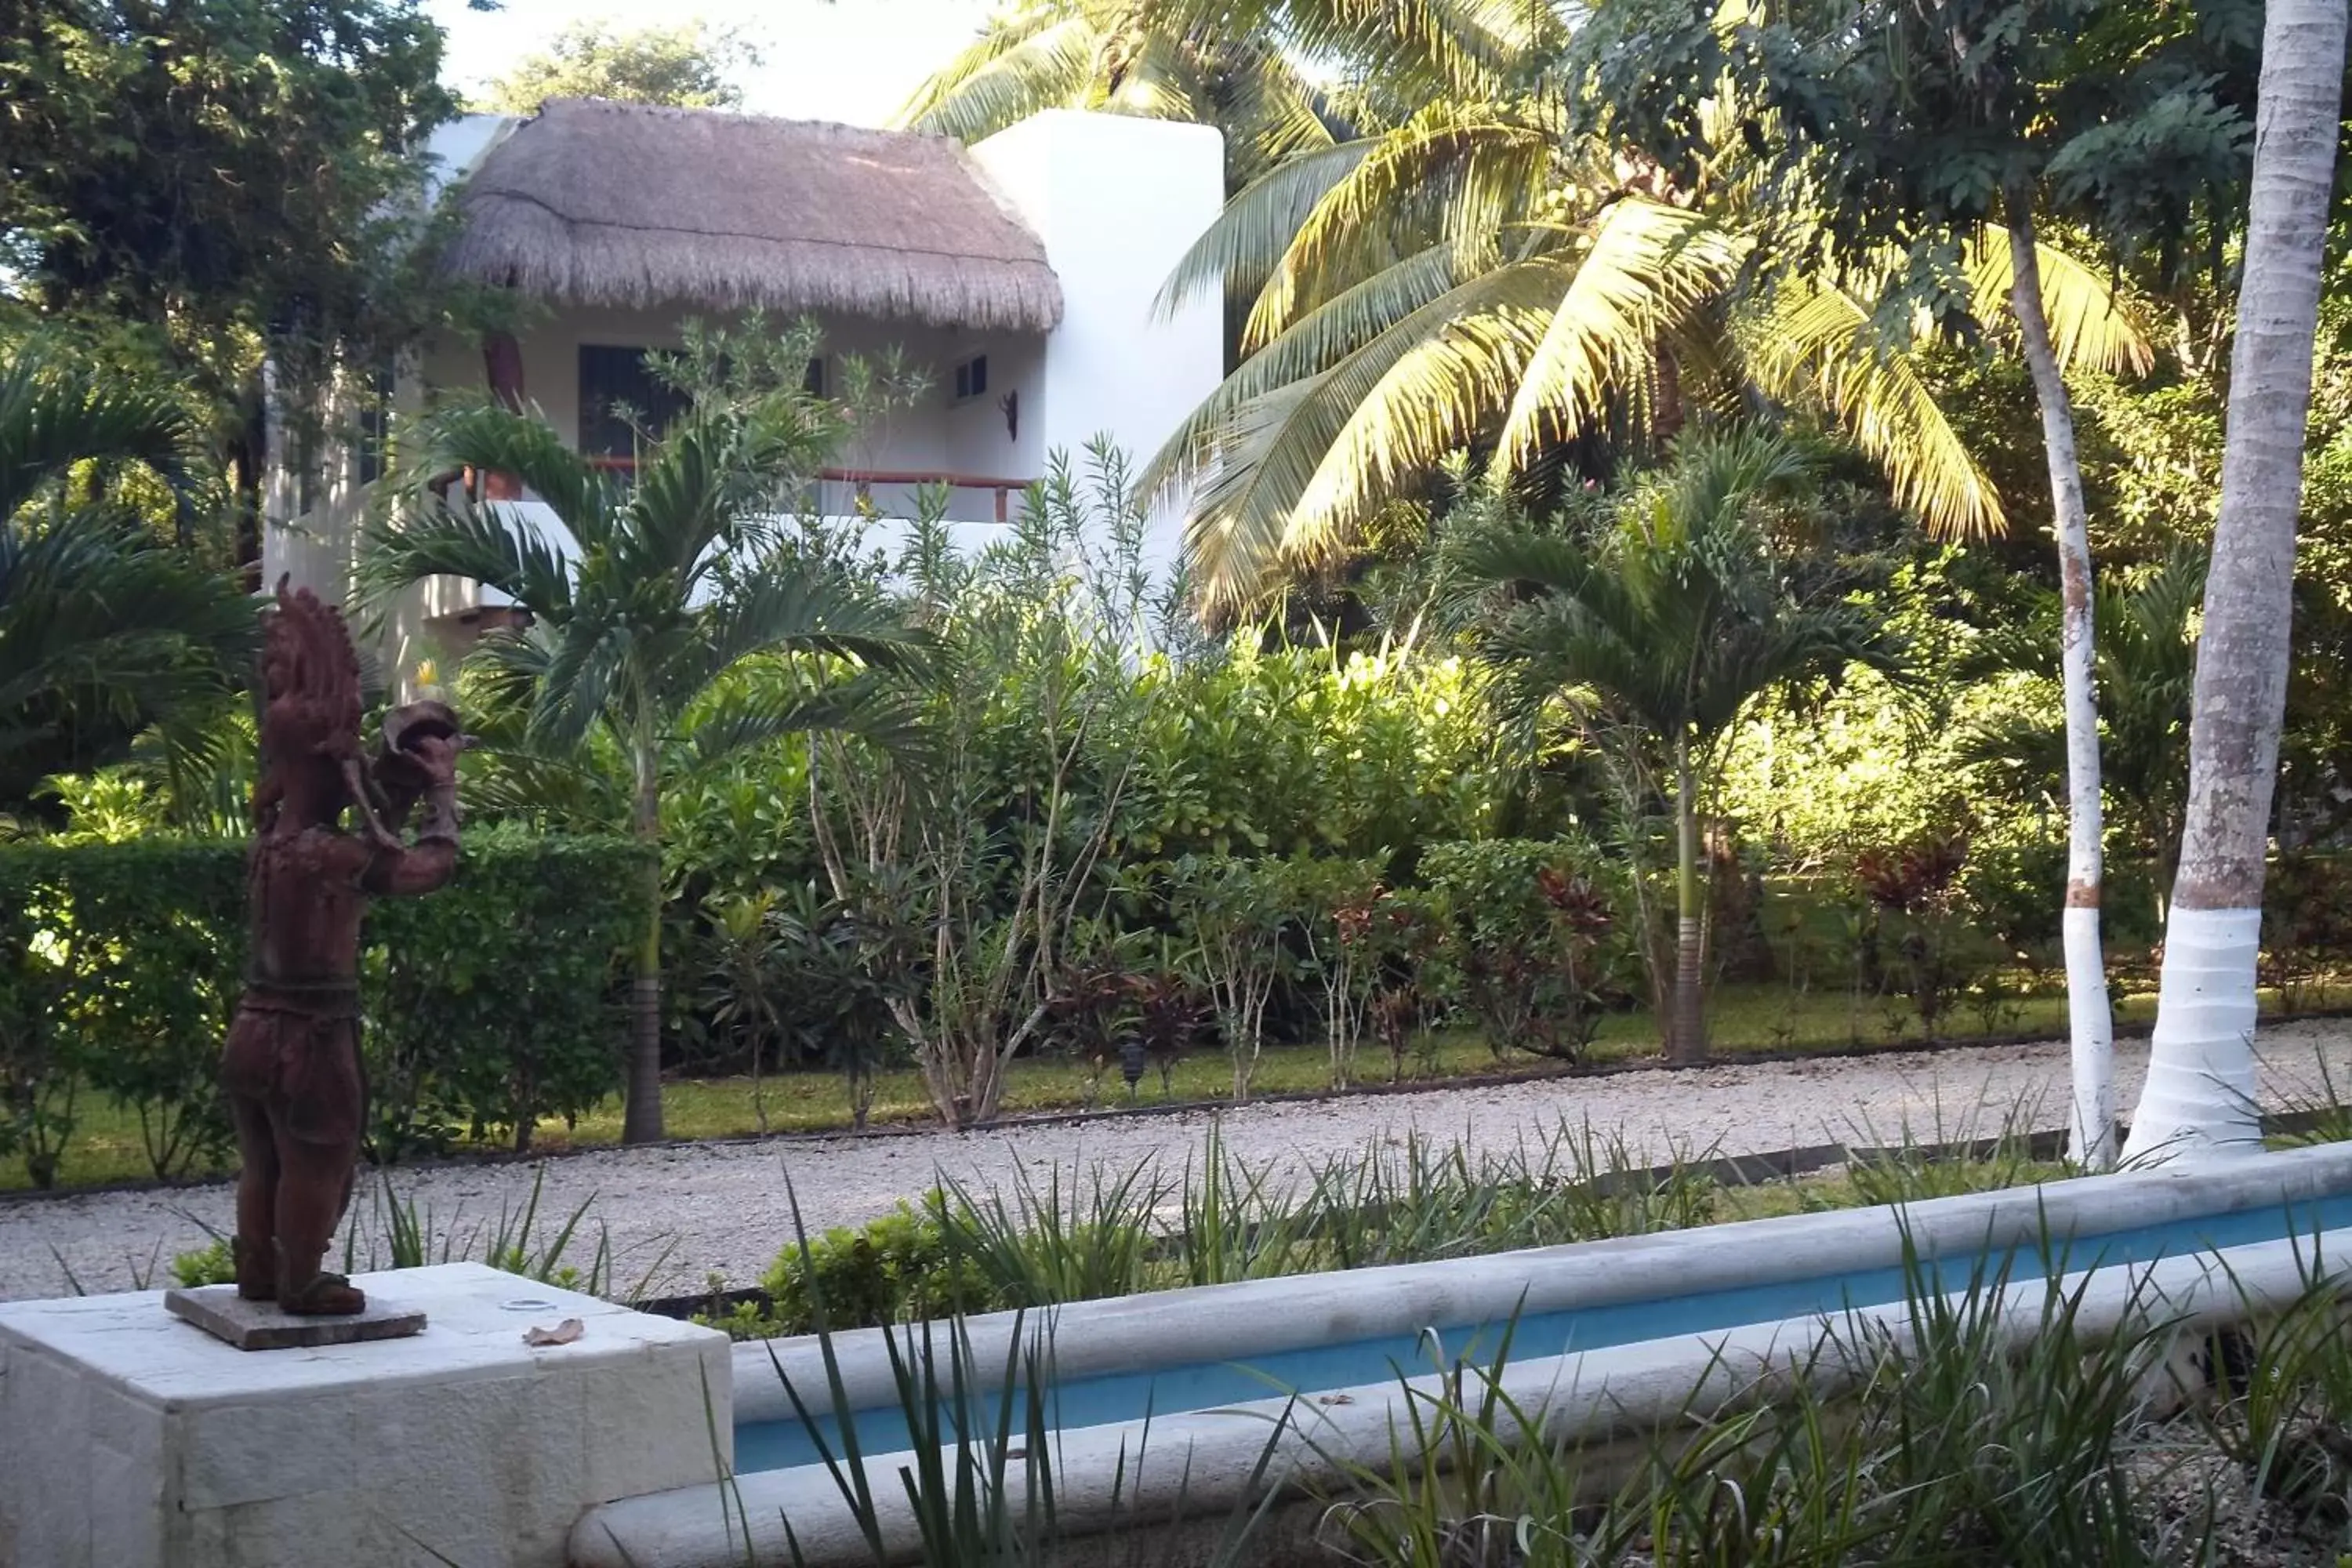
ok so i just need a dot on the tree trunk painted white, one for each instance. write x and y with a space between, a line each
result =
2091 1021
2200 1078
1686 1038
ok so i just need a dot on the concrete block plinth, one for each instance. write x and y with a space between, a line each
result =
129 1438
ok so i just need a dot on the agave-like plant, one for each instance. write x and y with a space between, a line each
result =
1485 273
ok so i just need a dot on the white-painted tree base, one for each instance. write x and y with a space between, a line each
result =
2092 1030
131 1439
2200 1071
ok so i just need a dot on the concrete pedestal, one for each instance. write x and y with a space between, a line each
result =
128 1439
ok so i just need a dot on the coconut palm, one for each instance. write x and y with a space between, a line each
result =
2201 1075
1233 64
1663 629
1484 274
676 624
105 630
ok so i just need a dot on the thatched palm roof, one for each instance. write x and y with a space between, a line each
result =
622 203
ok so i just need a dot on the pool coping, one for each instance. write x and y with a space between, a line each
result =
1120 1475
1258 1317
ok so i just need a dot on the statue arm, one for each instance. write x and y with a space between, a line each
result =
432 860
420 868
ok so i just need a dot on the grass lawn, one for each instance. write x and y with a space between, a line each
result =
1742 1020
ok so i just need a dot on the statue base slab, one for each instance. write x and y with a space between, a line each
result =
228 1317
127 1440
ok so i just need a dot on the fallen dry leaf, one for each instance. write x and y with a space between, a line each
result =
564 1333
1335 1399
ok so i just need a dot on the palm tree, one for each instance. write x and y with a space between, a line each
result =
105 630
647 629
1485 274
2145 663
2200 1074
1233 64
1663 630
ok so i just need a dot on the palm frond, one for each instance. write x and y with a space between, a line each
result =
752 712
790 605
1818 340
489 439
1431 402
2090 325
1649 264
1452 172
492 542
1239 249
1325 335
1019 66
1251 469
54 415
103 632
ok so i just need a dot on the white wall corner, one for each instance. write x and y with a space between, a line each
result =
1117 200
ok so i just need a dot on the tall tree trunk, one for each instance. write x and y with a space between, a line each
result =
2201 1075
1687 1039
641 1112
2090 1019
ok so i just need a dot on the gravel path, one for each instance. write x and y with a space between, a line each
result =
724 1209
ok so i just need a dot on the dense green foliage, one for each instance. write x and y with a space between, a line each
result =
485 1007
682 66
1587 501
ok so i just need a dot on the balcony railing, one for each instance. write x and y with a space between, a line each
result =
864 480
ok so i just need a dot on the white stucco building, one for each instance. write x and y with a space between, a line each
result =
1020 276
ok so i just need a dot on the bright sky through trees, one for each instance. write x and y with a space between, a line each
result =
852 60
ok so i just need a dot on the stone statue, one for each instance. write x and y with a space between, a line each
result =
291 1070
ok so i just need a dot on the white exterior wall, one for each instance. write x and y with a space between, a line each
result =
1117 201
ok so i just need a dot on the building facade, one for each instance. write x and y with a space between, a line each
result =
1019 279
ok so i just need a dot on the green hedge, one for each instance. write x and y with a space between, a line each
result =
487 1005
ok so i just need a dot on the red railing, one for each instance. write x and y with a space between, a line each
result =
864 480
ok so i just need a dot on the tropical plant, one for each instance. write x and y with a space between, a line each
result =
1237 68
1532 942
1233 915
680 609
1662 628
2145 663
1490 273
2200 1078
104 629
2032 113
979 867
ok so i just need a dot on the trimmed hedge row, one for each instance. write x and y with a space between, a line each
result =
486 1005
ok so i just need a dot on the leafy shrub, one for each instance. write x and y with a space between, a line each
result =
1340 906
1233 915
485 1006
211 1264
1913 892
893 1269
1536 941
119 966
489 1004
